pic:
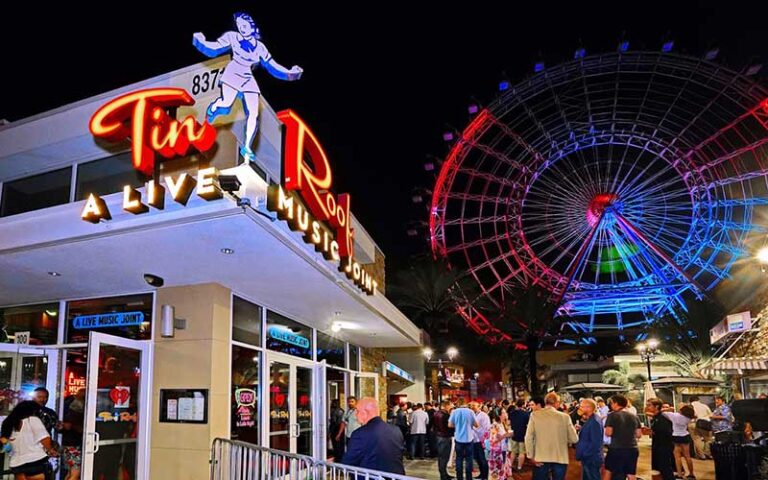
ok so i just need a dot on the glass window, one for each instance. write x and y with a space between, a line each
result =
245 395
41 322
330 349
108 175
128 316
285 335
246 322
354 357
33 193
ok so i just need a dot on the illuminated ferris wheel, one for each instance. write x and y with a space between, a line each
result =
617 182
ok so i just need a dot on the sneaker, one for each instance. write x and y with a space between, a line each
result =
248 155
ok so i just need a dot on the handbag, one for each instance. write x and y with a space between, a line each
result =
703 424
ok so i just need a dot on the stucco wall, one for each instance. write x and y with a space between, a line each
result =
197 357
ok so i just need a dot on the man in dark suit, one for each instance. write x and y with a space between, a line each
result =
376 444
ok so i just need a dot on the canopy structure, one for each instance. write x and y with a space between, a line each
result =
738 365
593 387
673 382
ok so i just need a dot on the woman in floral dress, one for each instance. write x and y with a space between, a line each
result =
499 468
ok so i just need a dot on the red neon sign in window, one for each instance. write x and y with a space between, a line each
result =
141 117
314 182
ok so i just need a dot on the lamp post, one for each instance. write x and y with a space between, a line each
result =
451 354
648 352
762 258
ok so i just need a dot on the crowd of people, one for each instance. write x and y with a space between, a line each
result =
498 438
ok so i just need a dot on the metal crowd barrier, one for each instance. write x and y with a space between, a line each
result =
233 460
338 471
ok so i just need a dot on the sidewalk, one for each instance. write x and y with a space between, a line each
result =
704 469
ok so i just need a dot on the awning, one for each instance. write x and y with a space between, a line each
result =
593 387
738 365
393 371
671 382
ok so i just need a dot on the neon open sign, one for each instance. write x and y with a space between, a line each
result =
123 319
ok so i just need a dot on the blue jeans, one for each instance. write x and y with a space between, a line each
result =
464 460
417 444
557 470
482 462
590 469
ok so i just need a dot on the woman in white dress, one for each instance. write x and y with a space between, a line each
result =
247 53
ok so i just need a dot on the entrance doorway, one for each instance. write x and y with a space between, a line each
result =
336 394
292 412
99 391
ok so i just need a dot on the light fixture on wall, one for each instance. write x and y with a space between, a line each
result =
169 323
336 326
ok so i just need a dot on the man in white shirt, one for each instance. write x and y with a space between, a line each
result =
702 439
419 422
481 434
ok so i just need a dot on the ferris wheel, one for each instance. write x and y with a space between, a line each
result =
618 182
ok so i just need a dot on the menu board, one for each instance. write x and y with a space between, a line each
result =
189 405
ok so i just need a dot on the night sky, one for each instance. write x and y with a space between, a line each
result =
382 82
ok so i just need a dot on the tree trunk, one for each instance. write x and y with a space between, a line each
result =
532 342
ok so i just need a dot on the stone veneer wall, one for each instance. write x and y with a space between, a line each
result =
371 360
378 271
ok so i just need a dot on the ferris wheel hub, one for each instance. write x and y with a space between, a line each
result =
601 204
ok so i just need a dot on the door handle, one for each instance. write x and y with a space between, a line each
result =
94 442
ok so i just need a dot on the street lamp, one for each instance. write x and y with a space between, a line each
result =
451 354
648 352
762 257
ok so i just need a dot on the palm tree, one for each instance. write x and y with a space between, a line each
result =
528 314
621 376
424 292
686 336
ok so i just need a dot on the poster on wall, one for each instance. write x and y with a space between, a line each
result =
189 405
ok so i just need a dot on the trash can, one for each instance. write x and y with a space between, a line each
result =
729 461
754 456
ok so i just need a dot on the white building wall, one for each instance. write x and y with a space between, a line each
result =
412 361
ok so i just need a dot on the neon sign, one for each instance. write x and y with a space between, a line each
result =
141 116
285 335
307 204
123 319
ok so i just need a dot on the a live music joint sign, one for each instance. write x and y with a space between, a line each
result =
304 199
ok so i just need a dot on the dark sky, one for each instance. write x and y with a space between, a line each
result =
382 81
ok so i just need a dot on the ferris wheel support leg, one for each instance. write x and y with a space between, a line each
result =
579 259
661 253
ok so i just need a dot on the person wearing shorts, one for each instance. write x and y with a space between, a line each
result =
623 428
518 422
682 439
30 442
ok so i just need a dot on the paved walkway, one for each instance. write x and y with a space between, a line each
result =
704 469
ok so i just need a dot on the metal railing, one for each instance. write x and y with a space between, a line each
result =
233 460
338 471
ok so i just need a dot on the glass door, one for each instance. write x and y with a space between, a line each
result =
116 410
291 405
22 370
366 385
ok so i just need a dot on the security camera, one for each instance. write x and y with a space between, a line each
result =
153 280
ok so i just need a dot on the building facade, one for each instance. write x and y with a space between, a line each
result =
175 303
